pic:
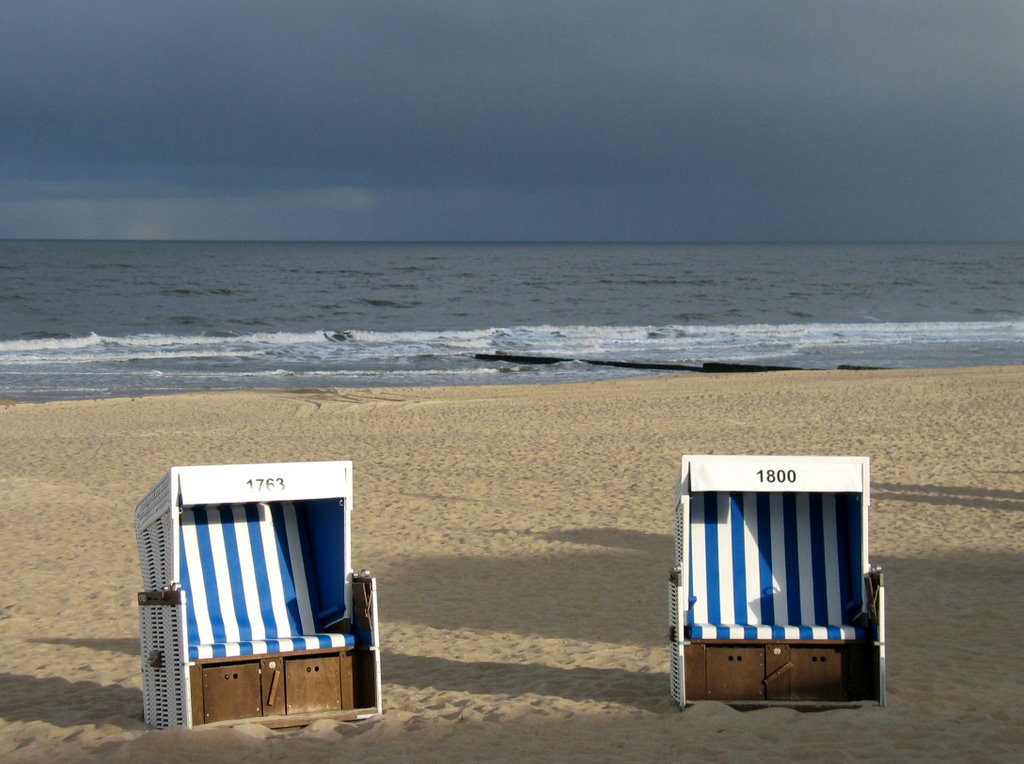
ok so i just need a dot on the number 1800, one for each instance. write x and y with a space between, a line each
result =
776 476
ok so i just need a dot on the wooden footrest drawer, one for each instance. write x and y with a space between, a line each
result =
279 684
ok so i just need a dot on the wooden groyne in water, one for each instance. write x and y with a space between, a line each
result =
708 367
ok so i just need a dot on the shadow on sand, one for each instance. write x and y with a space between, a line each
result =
125 645
63 703
644 690
946 495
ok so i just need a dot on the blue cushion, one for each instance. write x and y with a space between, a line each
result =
261 647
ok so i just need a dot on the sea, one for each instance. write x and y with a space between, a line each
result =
100 319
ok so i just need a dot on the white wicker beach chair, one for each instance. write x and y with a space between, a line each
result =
251 609
772 597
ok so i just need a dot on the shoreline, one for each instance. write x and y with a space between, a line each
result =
521 536
711 370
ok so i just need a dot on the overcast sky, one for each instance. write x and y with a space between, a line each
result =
519 120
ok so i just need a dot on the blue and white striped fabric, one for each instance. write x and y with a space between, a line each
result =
246 571
775 566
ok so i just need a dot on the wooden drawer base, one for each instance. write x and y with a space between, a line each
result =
282 685
780 671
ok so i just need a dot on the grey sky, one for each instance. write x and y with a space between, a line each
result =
784 119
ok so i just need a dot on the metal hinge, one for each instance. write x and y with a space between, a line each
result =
160 597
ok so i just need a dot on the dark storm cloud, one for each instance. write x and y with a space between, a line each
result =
513 119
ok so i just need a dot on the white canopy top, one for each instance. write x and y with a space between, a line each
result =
774 473
239 483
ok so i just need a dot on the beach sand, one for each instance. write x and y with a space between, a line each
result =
522 538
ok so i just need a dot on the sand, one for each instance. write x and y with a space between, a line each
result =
522 537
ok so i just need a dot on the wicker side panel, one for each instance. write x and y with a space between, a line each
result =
378 691
680 534
154 503
675 595
164 683
164 688
153 532
675 646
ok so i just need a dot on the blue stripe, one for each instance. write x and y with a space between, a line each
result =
259 563
764 548
819 582
711 552
792 561
739 561
287 572
209 575
235 574
848 520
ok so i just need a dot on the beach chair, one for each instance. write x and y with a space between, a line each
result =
772 597
251 610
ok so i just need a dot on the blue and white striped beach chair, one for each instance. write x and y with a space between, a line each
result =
772 597
252 610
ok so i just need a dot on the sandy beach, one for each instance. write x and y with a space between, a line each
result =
521 537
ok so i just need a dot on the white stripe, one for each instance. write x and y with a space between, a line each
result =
247 569
832 572
269 539
197 582
725 582
699 560
220 568
804 557
259 647
298 568
751 559
778 558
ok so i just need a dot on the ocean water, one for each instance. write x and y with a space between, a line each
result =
94 319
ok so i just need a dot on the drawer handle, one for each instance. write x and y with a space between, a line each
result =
273 688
